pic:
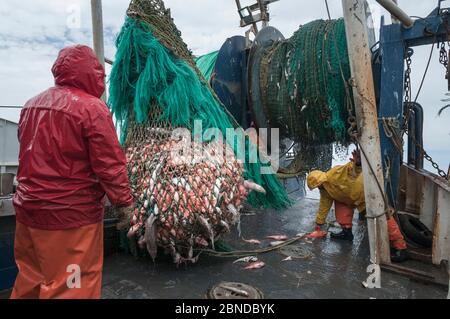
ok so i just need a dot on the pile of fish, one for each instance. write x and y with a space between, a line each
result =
184 201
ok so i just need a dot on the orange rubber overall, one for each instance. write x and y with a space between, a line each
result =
344 216
46 260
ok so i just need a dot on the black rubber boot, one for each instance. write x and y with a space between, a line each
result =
398 256
345 234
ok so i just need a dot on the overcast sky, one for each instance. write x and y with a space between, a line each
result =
33 31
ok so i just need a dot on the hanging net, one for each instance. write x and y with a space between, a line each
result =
185 195
303 84
304 91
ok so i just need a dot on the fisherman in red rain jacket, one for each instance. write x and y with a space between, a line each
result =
69 159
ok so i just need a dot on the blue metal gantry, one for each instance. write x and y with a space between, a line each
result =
396 43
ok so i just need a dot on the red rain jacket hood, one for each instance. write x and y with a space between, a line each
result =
69 155
77 66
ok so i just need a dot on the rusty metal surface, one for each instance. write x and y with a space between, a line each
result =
420 254
413 192
428 196
419 272
441 230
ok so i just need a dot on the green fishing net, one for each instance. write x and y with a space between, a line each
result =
303 84
155 82
206 64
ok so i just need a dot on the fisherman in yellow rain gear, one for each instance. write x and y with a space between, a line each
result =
343 185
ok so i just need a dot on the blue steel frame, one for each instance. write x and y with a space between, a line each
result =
394 43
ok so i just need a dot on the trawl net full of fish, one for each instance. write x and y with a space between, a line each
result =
187 194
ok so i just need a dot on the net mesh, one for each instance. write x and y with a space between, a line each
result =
302 84
182 199
182 202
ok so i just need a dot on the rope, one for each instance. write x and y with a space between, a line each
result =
328 10
425 73
246 253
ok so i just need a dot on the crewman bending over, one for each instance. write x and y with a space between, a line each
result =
343 185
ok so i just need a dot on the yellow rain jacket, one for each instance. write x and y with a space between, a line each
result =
342 183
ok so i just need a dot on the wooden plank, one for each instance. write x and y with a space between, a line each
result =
413 274
416 254
366 114
406 270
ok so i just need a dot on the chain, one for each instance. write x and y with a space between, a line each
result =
407 85
443 59
408 92
392 128
351 118
353 128
428 157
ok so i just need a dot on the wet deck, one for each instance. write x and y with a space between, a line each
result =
334 270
